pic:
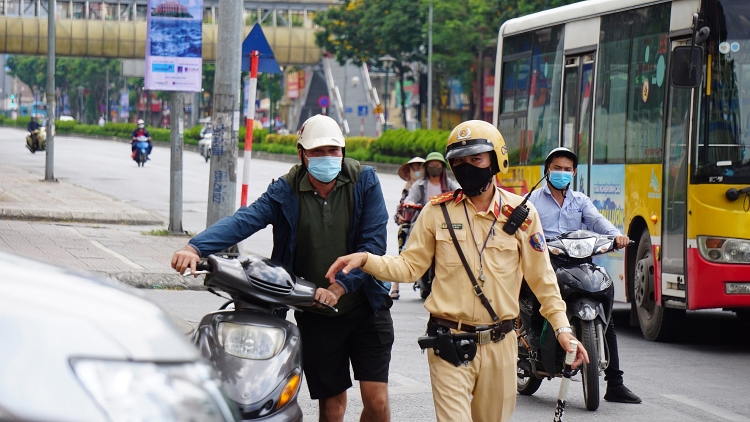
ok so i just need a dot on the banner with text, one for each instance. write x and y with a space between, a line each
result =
174 42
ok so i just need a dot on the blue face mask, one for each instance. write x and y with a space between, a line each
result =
417 174
560 179
324 169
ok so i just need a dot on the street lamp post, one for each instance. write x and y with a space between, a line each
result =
387 63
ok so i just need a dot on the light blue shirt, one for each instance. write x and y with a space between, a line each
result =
577 212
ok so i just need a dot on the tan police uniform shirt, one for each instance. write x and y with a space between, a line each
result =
506 261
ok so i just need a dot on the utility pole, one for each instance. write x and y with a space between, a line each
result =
222 186
429 70
49 174
175 168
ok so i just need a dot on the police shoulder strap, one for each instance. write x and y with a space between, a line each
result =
477 288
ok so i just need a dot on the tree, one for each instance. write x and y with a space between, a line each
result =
364 30
70 73
465 36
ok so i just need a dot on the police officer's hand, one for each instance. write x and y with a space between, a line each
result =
621 241
346 264
581 354
185 258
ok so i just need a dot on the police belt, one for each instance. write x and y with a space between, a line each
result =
481 334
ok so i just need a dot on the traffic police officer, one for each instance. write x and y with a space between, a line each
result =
484 388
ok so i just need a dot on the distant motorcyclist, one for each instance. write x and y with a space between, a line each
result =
434 182
33 142
138 132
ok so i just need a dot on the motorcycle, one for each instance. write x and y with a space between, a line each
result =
588 293
204 145
256 352
140 155
409 213
41 141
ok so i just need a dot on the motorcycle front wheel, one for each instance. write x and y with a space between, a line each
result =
590 371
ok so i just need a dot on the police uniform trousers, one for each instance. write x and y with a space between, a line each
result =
483 391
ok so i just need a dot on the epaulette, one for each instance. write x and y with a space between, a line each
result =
508 210
445 197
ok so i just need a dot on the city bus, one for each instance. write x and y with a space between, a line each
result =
665 160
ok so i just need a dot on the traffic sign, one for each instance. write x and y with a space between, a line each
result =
323 101
348 110
378 109
362 110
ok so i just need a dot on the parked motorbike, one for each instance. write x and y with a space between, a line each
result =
140 155
41 141
588 292
410 212
256 353
204 145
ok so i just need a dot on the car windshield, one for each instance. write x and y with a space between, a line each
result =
723 150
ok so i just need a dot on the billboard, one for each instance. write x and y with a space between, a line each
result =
174 41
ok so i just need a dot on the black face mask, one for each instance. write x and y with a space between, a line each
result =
473 180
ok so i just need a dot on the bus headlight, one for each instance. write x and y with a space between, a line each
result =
722 249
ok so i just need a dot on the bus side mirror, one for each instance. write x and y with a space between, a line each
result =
687 66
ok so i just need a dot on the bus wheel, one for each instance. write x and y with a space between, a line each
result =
657 323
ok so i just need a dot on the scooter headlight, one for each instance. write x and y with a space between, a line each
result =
579 248
147 391
250 341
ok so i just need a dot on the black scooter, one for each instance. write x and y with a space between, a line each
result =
588 292
256 352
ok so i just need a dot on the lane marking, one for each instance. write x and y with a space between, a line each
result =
716 411
122 258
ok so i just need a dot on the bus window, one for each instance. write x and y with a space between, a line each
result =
723 151
530 94
612 88
648 67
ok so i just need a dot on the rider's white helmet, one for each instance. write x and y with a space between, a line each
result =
141 123
320 131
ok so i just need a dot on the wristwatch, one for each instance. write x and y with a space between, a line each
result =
563 330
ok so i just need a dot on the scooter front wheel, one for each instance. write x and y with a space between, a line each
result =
590 371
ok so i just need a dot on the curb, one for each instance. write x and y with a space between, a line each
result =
79 217
158 281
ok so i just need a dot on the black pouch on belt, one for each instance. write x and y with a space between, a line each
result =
453 348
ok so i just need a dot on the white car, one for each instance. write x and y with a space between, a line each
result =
66 118
76 348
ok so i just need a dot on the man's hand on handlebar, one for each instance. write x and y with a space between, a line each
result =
621 241
185 258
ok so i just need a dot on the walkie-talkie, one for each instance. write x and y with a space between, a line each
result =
519 214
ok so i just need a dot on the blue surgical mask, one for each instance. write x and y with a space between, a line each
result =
324 169
417 174
560 179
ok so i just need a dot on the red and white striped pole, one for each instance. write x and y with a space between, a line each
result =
249 125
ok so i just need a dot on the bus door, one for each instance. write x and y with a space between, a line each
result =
674 217
577 112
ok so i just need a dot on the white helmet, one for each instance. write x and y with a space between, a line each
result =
140 122
320 131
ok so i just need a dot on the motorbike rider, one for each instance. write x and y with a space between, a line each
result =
325 207
484 389
410 173
34 126
141 131
562 209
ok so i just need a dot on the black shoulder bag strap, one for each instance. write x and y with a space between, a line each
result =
477 288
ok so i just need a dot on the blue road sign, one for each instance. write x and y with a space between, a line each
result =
323 101
362 111
256 41
348 110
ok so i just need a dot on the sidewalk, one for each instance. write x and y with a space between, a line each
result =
78 228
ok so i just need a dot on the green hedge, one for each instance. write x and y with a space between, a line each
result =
395 146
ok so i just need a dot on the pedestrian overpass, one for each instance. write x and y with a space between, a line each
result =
116 29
